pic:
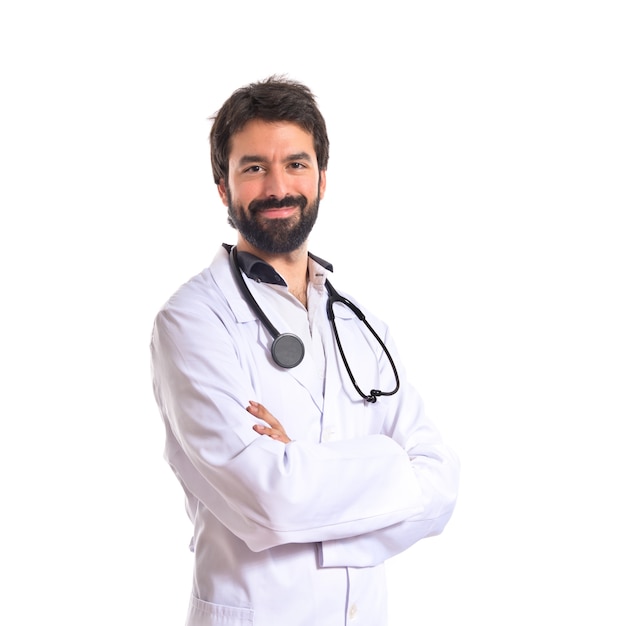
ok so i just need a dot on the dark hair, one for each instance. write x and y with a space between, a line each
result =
275 99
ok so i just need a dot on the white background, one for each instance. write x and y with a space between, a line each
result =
475 201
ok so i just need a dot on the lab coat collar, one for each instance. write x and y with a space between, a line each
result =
220 268
257 269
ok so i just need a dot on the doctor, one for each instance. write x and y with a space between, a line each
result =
298 487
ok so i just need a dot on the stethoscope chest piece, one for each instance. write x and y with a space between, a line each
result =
287 350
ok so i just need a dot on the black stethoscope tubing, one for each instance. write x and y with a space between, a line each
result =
288 350
333 297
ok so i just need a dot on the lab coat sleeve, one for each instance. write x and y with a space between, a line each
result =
435 467
267 493
373 548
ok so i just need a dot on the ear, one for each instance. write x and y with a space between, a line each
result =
221 189
322 183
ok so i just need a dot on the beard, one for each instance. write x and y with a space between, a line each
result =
276 235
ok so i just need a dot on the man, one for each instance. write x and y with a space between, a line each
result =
301 477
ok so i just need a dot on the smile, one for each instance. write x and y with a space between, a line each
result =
281 212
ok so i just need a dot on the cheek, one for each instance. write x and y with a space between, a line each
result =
309 188
241 194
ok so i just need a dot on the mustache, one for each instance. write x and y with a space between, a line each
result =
274 203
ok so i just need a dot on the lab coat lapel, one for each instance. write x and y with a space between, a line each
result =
336 375
305 372
220 269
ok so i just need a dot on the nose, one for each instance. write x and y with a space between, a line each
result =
275 183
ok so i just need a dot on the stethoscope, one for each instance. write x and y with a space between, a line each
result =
287 349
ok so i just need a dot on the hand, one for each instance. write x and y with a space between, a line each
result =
274 429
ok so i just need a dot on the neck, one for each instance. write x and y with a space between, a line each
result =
292 266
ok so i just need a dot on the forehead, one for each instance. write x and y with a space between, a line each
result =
270 139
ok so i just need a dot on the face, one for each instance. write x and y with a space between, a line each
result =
274 185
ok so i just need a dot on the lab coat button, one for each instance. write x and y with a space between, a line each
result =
352 612
328 435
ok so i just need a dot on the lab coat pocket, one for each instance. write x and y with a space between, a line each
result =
208 614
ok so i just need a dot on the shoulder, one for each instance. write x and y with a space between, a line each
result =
200 296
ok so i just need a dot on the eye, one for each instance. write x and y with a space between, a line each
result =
253 169
297 165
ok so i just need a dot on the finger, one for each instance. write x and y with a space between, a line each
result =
258 410
271 432
266 430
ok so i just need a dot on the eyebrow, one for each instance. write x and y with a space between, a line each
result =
255 158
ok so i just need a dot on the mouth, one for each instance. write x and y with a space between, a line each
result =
274 208
278 212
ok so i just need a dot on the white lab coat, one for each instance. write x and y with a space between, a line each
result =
295 534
